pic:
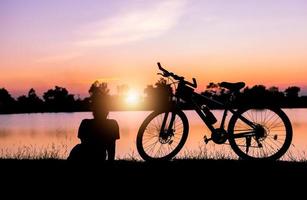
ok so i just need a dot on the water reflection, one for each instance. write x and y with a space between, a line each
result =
44 134
4 133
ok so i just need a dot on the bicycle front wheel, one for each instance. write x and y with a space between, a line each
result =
268 140
156 144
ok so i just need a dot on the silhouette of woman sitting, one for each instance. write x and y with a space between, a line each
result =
98 135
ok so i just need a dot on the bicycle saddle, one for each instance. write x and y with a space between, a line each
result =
232 86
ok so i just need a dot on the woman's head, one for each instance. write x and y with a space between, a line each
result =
99 98
100 107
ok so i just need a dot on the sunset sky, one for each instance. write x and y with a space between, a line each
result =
71 43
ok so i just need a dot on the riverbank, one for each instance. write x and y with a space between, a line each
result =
177 169
147 180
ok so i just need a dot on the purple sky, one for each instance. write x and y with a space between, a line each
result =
74 42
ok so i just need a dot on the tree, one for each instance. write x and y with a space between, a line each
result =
212 88
256 96
257 91
158 96
292 92
6 101
30 103
275 96
59 99
122 90
292 96
273 89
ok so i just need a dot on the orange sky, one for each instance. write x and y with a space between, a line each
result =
54 43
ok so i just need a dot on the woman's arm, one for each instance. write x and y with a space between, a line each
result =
83 132
111 150
114 129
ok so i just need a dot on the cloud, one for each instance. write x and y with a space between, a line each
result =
130 26
135 25
64 56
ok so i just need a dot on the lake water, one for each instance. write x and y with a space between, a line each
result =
54 134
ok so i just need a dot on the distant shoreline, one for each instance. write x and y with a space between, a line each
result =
124 110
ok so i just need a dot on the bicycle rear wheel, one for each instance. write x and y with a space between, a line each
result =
272 138
152 145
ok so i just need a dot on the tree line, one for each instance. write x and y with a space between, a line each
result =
59 99
259 95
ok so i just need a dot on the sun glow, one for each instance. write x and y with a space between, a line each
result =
132 98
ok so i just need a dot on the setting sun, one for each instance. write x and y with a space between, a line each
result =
132 98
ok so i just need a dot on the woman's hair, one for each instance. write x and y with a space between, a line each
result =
99 97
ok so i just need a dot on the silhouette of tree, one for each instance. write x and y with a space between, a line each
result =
163 88
275 96
81 104
257 95
30 103
85 104
119 101
212 89
150 96
122 90
292 99
292 92
273 89
58 99
7 102
256 91
5 96
158 96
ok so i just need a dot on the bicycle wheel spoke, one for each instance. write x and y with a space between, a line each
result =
151 147
272 118
160 143
270 135
276 121
276 141
277 125
274 149
147 140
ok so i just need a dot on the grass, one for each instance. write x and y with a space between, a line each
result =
32 152
191 172
204 154
60 152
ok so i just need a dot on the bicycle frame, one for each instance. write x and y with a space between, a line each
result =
227 109
197 108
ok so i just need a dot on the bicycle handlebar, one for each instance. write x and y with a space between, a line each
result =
176 77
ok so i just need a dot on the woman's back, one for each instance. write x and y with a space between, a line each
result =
93 131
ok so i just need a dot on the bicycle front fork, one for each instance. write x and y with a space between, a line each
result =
170 125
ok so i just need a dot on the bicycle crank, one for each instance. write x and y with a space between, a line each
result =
219 136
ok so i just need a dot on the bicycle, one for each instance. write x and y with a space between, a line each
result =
253 133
